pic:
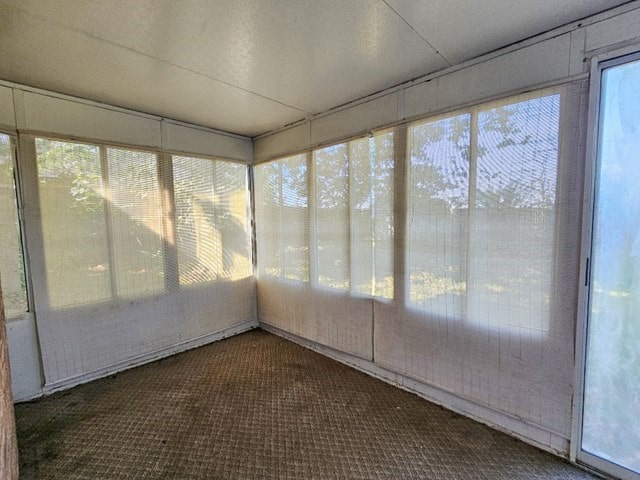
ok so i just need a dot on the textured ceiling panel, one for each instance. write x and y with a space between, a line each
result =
309 54
250 66
47 56
463 29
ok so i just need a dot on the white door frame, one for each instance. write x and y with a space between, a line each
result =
598 64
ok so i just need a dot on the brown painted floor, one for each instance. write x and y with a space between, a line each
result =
258 406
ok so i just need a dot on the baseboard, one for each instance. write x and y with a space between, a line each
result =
146 358
30 397
509 424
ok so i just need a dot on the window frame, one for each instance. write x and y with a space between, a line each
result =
308 235
102 147
169 190
474 112
576 454
164 176
14 142
312 234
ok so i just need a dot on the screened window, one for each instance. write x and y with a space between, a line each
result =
371 198
74 226
438 214
283 229
11 258
513 230
211 220
102 222
136 222
481 224
331 167
354 215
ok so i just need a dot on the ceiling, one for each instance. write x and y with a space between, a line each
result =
250 66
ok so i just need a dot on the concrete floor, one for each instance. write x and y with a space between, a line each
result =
258 406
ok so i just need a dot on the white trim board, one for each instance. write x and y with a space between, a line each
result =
513 426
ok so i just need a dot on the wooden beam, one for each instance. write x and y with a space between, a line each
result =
8 441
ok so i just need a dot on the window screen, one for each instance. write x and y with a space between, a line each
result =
11 258
438 214
352 216
74 226
371 197
512 237
331 168
211 220
136 222
481 218
102 222
283 226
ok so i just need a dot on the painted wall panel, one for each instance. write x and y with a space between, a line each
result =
24 357
535 389
540 63
79 341
613 31
330 318
357 119
181 138
293 139
64 117
577 65
7 117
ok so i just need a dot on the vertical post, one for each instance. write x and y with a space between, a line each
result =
251 185
108 220
313 233
169 235
351 217
281 249
472 207
8 441
28 171
401 186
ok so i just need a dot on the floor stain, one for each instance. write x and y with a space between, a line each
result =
256 406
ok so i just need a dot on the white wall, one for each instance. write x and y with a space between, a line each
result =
24 357
7 117
54 350
518 384
50 113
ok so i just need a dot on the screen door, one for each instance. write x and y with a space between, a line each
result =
611 411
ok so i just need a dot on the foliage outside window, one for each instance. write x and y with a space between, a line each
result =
102 222
481 219
282 210
106 227
352 216
211 220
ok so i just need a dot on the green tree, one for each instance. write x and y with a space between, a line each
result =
75 161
